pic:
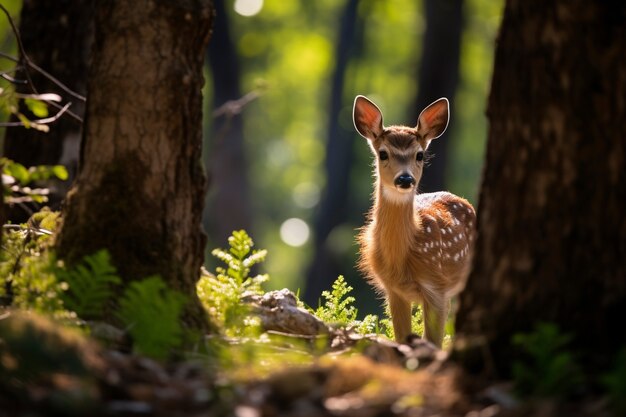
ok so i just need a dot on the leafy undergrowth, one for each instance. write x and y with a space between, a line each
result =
74 342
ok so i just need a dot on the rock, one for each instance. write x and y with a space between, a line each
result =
279 311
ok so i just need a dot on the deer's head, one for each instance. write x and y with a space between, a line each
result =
399 150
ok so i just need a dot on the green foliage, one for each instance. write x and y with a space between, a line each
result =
548 368
35 282
16 178
36 107
35 103
27 266
339 309
615 384
151 313
221 294
417 324
338 306
90 285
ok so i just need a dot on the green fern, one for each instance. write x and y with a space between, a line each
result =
221 293
151 312
338 309
90 285
338 306
548 368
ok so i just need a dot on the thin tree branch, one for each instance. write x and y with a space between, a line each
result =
47 120
27 63
234 107
20 46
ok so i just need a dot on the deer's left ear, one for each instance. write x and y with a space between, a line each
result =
433 120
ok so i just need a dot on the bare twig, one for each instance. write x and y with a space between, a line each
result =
27 63
18 38
47 120
234 107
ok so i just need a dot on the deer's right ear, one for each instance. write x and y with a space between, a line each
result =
368 120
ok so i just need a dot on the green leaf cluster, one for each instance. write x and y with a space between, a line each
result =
151 311
222 293
35 281
17 177
28 266
548 368
90 285
338 308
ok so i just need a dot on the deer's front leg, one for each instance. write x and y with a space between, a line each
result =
435 312
400 316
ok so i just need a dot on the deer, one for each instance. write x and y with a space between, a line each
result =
415 247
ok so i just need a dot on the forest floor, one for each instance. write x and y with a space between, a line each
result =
52 371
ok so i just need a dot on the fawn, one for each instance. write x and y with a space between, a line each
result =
415 247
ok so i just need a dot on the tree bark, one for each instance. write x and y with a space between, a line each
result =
552 232
140 189
439 77
229 206
57 37
339 156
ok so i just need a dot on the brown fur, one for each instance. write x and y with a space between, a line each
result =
414 248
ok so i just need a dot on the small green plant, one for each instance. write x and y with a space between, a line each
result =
151 312
548 368
27 266
338 308
222 293
615 384
90 285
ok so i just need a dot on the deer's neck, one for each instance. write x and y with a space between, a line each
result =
395 224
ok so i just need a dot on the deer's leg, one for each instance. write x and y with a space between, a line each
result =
400 316
435 312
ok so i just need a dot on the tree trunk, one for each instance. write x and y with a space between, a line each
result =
439 77
229 207
140 189
552 232
332 209
57 37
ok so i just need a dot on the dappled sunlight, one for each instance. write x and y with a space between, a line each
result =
248 7
294 232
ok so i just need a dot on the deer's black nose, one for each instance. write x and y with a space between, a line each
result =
405 181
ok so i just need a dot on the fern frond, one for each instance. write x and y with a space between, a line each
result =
151 312
90 285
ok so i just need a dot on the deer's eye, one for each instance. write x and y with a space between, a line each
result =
383 155
419 156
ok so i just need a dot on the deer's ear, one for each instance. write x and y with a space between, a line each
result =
433 120
368 120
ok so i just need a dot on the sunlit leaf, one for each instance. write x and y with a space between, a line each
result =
17 171
60 172
37 107
23 119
